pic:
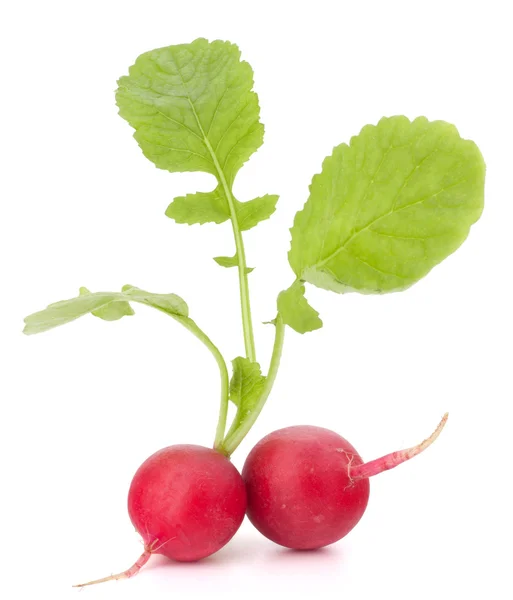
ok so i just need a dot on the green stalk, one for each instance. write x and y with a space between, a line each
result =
234 438
247 324
223 410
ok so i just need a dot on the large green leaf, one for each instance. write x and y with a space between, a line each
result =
389 207
109 306
193 109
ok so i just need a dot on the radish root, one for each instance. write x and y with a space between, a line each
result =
133 570
389 461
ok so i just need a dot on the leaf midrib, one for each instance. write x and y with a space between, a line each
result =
239 246
206 141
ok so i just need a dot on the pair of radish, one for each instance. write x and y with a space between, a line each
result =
302 487
384 210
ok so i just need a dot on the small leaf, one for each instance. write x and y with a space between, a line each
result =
199 208
245 386
112 311
66 311
389 207
295 310
251 213
230 261
212 207
168 303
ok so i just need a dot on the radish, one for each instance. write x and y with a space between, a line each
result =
186 502
384 210
308 487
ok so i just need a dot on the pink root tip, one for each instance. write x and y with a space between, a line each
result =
133 570
375 467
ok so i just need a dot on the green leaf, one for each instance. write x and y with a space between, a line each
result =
191 106
230 261
111 311
105 305
245 386
193 109
295 310
212 207
111 306
168 303
251 213
389 207
199 208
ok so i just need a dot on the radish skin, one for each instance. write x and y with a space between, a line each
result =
187 499
299 491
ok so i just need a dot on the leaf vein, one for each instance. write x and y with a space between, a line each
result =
360 259
229 127
185 150
387 214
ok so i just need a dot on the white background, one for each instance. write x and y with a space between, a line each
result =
84 405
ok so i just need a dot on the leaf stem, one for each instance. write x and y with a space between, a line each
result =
233 439
247 323
223 409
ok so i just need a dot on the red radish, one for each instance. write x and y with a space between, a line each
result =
186 502
308 487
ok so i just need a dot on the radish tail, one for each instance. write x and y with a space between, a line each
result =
375 467
133 570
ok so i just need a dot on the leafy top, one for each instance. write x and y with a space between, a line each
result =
193 109
384 210
387 208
